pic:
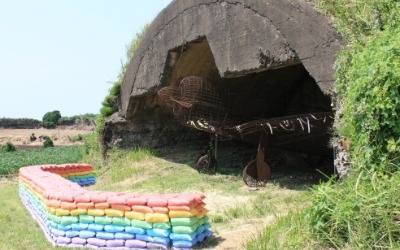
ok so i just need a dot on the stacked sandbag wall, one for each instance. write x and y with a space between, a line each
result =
72 216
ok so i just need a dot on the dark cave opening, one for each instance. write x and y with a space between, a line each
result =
200 98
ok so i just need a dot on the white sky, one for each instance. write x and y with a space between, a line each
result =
63 54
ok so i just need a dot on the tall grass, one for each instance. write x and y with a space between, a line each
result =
10 162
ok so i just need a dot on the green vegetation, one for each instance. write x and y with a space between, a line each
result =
8 147
20 123
50 119
48 143
87 119
10 162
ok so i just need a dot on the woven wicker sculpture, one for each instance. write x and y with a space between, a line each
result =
197 103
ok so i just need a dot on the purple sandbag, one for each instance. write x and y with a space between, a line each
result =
63 240
135 243
151 245
77 240
96 242
115 243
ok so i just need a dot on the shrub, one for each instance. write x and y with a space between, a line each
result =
48 142
8 147
50 119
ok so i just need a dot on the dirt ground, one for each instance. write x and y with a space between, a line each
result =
20 137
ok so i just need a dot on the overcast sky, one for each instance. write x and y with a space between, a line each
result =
63 54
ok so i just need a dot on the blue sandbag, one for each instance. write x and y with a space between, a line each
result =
86 234
71 233
124 236
135 230
158 232
114 228
144 237
79 226
105 235
186 237
95 227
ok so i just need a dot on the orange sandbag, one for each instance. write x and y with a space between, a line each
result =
102 205
68 205
85 205
142 209
180 208
161 210
121 207
53 203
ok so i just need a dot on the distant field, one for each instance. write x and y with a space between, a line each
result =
60 137
10 162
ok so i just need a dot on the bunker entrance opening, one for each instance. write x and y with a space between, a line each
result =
280 107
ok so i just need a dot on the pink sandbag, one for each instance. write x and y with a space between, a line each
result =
84 198
186 200
136 201
157 202
113 200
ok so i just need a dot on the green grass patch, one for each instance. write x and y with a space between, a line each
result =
10 162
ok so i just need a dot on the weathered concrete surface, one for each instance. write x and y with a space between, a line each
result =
229 43
244 36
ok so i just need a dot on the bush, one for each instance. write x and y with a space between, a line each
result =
48 142
361 212
50 119
8 147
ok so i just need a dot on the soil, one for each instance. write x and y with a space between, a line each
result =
59 136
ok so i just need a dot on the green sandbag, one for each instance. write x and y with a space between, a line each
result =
67 220
185 229
54 218
103 220
141 224
184 221
122 221
84 218
162 225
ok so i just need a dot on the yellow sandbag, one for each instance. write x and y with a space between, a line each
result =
156 217
133 215
61 211
192 212
202 213
51 210
114 212
78 211
95 212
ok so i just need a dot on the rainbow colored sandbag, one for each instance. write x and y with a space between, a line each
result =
70 215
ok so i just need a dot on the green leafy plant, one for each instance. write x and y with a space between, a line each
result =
8 147
48 143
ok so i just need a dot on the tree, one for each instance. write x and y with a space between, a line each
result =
50 119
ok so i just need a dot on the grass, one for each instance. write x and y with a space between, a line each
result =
10 162
233 208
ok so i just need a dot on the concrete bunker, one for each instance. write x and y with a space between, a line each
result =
233 69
